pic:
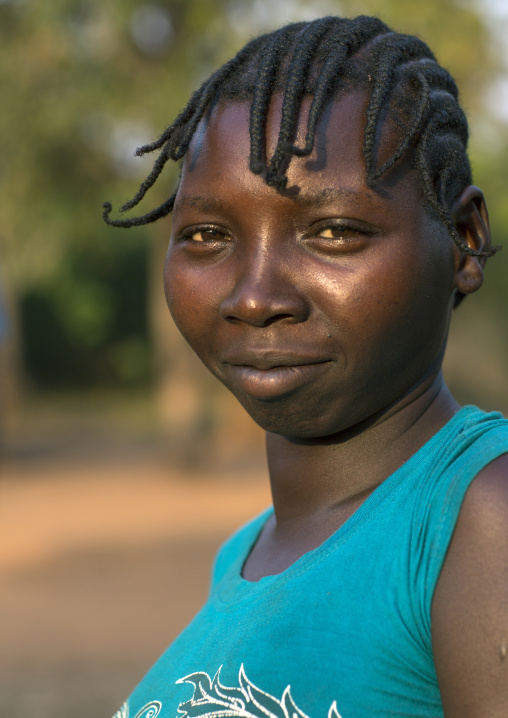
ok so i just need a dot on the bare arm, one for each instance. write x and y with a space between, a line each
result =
470 607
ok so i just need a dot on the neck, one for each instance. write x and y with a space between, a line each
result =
333 475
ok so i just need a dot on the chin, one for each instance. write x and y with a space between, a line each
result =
293 419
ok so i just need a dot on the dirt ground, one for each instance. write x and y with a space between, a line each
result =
101 566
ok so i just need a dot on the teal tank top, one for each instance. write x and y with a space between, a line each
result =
345 632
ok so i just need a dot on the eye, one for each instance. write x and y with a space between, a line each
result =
205 235
338 232
338 236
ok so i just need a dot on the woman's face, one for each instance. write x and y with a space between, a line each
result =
320 305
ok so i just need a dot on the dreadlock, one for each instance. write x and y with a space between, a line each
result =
318 59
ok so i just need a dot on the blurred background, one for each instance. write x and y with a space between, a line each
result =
118 475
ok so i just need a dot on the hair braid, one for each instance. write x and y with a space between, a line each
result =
268 64
319 59
161 211
210 88
346 41
181 120
392 51
412 132
448 123
307 43
428 76
175 143
150 180
167 141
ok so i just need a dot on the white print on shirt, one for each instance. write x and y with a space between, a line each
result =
151 710
213 700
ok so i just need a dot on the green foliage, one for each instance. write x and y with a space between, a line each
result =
90 326
80 96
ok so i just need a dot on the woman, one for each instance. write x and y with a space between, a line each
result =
324 226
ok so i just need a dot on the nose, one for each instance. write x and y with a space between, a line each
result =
264 292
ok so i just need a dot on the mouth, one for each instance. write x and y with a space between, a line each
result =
270 376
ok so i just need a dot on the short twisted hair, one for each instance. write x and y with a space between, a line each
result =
316 59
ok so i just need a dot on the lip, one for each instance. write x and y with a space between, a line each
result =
271 375
267 359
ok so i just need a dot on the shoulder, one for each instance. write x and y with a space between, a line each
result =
467 463
493 478
470 606
469 475
479 543
485 508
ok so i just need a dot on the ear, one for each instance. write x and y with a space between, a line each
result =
472 222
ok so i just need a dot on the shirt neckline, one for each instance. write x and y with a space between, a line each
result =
234 587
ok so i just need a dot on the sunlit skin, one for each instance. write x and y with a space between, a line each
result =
349 287
325 309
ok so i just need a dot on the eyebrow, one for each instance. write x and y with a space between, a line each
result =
204 203
328 195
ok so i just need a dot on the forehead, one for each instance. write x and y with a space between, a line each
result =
220 152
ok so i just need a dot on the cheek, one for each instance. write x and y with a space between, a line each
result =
185 299
412 320
387 309
194 296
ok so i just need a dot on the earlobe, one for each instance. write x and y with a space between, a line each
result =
472 222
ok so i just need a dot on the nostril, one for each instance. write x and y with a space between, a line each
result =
262 322
279 318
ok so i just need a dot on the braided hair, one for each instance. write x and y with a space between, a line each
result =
318 59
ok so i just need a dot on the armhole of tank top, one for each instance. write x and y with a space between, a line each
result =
449 498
